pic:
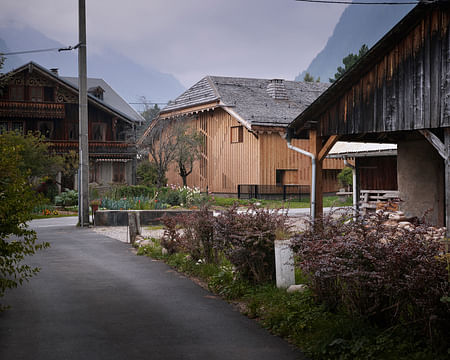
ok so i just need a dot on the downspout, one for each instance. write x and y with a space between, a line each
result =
313 174
355 195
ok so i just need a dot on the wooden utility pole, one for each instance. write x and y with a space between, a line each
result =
83 191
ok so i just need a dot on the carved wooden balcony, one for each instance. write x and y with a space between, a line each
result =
95 147
22 109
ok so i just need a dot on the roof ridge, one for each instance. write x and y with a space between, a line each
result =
211 83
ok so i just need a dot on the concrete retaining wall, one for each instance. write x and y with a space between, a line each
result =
120 217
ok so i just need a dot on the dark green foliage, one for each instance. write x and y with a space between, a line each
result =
350 60
345 177
309 78
17 201
147 174
67 198
34 157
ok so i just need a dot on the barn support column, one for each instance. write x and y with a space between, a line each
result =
443 148
320 150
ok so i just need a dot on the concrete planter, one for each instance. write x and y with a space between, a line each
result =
146 217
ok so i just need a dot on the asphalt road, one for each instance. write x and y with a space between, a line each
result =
95 299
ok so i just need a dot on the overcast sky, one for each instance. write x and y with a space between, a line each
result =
191 38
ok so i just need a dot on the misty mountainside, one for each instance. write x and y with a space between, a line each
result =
129 79
358 25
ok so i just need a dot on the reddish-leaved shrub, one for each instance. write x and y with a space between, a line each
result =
386 274
247 240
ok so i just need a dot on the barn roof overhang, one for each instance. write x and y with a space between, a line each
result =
308 118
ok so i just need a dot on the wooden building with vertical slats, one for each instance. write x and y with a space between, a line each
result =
242 122
399 92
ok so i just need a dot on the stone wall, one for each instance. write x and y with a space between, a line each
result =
120 217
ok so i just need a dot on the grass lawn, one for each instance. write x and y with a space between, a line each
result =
328 201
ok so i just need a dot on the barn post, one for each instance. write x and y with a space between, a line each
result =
315 143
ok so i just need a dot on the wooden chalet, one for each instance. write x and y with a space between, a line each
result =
241 120
38 100
399 92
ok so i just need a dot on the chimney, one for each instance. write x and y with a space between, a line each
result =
54 71
276 89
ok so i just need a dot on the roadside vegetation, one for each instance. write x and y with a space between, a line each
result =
373 291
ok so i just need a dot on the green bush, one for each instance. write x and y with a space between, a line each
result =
345 177
67 198
17 201
146 174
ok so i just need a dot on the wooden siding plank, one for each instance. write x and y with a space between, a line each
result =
426 73
447 180
445 74
436 69
418 121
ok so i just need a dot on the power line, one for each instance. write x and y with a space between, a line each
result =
349 2
148 103
40 50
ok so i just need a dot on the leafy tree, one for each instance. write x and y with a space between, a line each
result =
17 200
349 61
35 159
309 78
345 177
188 150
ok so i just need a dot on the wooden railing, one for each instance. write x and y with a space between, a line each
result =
99 147
32 109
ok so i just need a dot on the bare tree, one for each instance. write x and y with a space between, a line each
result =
172 141
188 150
160 143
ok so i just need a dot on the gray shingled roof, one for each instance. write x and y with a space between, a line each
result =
251 99
110 97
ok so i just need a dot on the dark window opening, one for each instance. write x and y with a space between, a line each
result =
237 134
49 94
17 126
36 94
73 132
46 128
16 93
99 131
118 172
3 127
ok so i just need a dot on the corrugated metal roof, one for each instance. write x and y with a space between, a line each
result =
355 149
252 99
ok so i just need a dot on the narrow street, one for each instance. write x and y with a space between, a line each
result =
95 299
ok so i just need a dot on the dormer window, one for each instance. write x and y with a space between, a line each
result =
97 91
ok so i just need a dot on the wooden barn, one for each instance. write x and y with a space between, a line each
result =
36 99
242 122
399 92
